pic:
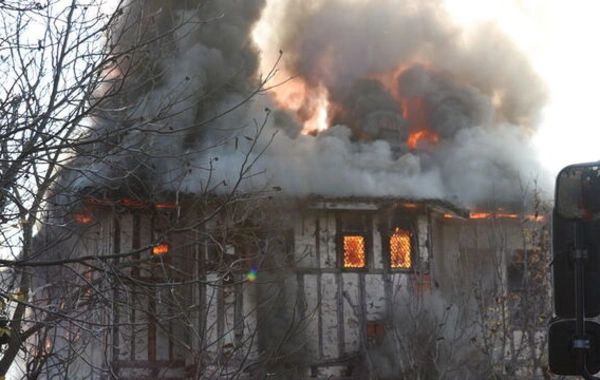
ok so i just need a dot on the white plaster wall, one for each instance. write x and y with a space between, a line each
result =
376 303
227 339
304 245
377 245
249 322
400 284
329 315
126 226
352 309
211 315
328 243
312 313
493 241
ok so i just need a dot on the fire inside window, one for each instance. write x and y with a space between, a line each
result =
354 231
400 249
354 252
160 249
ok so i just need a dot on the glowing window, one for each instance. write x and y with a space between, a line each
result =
354 252
160 249
400 249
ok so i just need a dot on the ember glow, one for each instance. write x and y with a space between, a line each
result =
83 218
487 215
166 206
354 252
409 205
84 215
128 203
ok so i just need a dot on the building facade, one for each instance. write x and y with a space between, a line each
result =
304 288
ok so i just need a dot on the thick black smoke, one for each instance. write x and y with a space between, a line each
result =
480 94
187 117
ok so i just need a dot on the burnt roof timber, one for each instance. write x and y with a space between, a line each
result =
312 201
374 203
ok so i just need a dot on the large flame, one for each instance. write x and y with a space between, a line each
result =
311 104
414 110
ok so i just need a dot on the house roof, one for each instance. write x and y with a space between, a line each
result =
313 201
375 203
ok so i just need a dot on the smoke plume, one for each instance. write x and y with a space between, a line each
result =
197 113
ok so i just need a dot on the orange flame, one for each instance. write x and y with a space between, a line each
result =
500 215
480 215
422 135
400 247
414 111
160 249
84 215
127 202
130 203
409 205
354 252
310 104
83 218
165 206
488 215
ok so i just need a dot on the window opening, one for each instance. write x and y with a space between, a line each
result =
354 252
400 248
160 249
354 243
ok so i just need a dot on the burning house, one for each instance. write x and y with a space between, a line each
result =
317 226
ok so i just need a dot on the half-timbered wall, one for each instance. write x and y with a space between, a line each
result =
195 312
150 324
349 308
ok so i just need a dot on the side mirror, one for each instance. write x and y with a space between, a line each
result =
576 272
561 356
565 234
578 192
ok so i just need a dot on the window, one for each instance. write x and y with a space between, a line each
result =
400 248
354 252
147 333
399 241
354 242
160 249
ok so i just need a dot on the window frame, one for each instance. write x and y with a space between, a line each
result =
408 222
346 225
